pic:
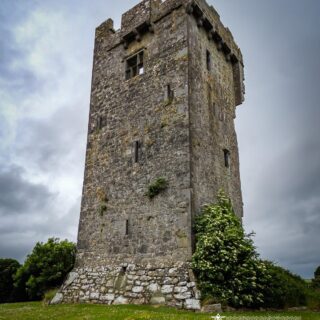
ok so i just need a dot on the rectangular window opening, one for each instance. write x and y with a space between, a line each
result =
127 227
170 93
134 65
208 60
100 122
136 151
226 158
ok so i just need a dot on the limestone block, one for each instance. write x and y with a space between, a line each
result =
167 280
191 284
192 304
167 289
137 289
94 296
212 308
158 298
57 298
153 287
71 277
121 300
180 289
139 301
183 295
173 272
108 297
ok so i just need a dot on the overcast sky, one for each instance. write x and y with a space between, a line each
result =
45 73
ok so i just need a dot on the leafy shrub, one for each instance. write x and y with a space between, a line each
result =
316 279
225 260
156 187
8 268
284 289
313 299
46 267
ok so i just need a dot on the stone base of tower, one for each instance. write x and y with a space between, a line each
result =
132 284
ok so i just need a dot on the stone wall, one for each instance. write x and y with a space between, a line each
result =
212 113
132 284
138 110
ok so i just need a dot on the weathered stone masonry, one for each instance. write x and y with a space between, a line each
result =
164 92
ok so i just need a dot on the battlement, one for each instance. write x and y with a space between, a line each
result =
144 16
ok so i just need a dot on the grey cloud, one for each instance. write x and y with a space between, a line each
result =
48 142
19 196
285 211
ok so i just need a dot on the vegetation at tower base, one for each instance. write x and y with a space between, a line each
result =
225 261
46 267
229 270
284 289
156 187
8 268
316 279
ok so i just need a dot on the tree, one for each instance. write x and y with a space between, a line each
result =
46 267
225 261
8 268
316 279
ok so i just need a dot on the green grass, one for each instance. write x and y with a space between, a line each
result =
39 311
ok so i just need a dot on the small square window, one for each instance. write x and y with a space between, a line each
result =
134 65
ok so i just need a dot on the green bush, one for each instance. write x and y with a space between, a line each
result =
46 267
229 270
284 289
316 279
8 268
225 260
156 187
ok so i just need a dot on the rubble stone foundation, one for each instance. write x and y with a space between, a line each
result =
132 284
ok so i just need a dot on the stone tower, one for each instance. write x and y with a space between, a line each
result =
164 92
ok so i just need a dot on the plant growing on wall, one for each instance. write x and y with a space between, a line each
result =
156 187
103 199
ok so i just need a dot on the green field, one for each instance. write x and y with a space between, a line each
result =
39 311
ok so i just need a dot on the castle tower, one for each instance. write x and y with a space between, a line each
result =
164 92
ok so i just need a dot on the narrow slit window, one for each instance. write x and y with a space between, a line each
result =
134 65
136 151
170 93
127 227
208 60
100 122
226 158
